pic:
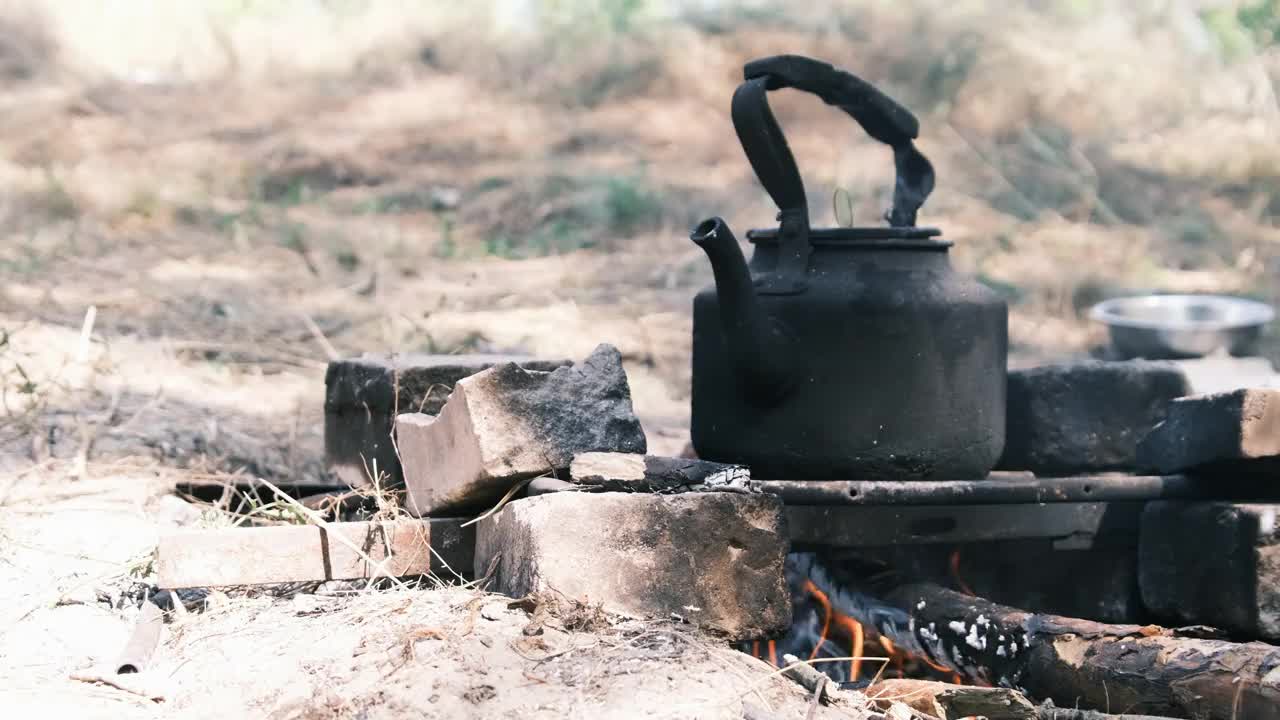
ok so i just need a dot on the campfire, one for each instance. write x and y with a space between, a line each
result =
1147 590
825 628
872 501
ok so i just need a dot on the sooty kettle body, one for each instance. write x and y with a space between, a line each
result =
843 353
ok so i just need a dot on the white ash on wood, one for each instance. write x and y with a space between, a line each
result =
305 553
1235 433
715 559
364 394
507 424
1080 663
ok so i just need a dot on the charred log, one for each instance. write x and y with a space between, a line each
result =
1079 663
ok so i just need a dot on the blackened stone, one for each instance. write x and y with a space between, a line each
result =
1212 564
362 396
505 424
715 559
1085 416
1234 433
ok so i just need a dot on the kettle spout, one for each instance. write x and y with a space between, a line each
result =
757 343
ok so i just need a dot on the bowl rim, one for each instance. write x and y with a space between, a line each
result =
1257 313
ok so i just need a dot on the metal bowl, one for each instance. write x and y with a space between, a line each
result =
1182 326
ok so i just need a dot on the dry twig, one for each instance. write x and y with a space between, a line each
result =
316 519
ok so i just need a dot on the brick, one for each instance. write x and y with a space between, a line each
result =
1085 416
713 558
308 553
363 395
1212 563
506 424
1230 433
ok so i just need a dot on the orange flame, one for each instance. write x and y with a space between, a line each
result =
840 626
855 633
899 659
825 603
954 565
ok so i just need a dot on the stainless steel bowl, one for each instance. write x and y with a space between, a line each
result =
1182 326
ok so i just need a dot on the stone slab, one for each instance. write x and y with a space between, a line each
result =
1214 564
715 559
363 395
1227 433
1085 416
506 424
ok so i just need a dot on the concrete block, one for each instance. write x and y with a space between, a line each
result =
506 424
364 394
1227 433
1212 563
1085 416
715 558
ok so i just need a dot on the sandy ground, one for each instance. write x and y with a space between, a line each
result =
439 653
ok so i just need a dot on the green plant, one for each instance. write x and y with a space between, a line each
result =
1261 20
629 204
447 247
55 201
586 17
1239 31
293 237
499 245
492 183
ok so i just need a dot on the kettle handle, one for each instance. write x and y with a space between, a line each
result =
879 115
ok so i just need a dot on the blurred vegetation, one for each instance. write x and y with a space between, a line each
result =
1243 29
1113 145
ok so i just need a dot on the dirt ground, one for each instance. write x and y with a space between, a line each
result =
194 222
435 653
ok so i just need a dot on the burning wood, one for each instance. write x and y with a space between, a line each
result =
1077 662
920 629
822 631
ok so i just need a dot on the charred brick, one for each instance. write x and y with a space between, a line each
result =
1233 433
363 395
1085 416
715 559
1212 564
506 424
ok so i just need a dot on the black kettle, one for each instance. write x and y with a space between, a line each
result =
843 353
